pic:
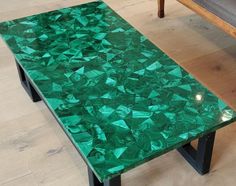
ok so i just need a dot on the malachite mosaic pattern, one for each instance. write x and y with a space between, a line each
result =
121 100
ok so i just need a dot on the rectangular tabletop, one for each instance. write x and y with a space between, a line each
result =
120 99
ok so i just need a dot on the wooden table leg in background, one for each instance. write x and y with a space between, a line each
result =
161 8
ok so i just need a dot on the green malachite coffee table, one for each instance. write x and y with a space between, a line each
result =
120 99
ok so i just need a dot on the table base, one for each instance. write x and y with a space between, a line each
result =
93 181
199 158
27 84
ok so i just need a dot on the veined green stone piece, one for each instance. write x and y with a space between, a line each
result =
120 99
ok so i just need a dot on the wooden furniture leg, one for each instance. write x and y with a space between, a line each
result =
161 8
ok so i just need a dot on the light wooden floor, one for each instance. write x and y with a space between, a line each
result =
35 152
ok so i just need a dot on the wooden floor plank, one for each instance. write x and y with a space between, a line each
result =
35 151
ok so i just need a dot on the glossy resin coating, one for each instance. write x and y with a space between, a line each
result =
120 99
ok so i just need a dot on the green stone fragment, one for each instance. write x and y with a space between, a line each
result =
176 72
54 103
28 50
86 147
120 123
110 82
121 88
105 42
140 72
123 111
119 151
80 71
155 146
154 66
107 96
106 111
100 133
94 73
141 114
71 99
153 94
116 169
100 36
43 37
56 87
83 20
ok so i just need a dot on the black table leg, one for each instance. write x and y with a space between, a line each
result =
199 158
93 181
27 85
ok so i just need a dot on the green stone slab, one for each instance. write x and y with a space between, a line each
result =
121 100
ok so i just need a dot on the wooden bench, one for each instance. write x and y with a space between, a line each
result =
219 13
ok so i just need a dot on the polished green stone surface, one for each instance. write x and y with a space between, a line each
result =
120 99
